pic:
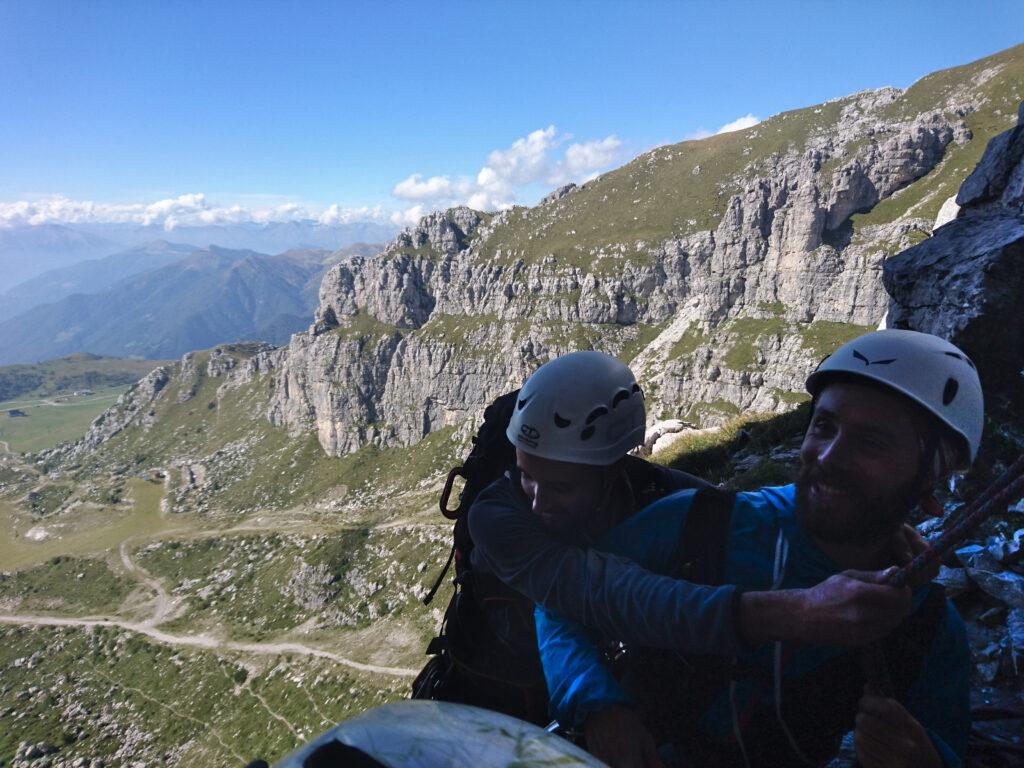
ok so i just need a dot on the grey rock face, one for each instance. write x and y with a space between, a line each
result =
965 282
236 364
998 181
133 407
425 334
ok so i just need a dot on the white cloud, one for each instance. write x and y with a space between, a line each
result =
587 157
747 121
410 216
542 157
338 215
184 210
524 162
531 159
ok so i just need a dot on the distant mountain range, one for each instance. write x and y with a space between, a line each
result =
89 276
30 250
199 299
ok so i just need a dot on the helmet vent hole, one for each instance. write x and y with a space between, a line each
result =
622 394
958 356
595 414
560 422
949 393
588 432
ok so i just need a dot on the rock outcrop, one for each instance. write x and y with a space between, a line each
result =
965 282
446 318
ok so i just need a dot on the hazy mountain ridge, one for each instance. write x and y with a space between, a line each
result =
206 298
27 251
89 276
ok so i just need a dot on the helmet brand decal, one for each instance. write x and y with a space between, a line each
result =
867 362
530 432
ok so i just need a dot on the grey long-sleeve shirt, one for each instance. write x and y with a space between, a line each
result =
605 592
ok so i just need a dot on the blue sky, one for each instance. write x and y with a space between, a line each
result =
382 107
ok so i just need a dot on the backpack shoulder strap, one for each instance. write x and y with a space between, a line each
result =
704 537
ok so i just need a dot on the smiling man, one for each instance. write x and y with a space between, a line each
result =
894 413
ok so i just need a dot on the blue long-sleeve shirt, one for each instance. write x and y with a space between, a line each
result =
615 595
579 683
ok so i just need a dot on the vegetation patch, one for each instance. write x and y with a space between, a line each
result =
114 696
67 375
744 334
362 325
69 585
687 344
711 455
773 308
258 586
47 422
790 398
823 337
48 498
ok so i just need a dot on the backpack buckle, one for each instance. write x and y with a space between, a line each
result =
452 514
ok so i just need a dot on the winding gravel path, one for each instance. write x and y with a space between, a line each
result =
205 641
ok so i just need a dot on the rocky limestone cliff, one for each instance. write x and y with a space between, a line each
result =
965 282
715 321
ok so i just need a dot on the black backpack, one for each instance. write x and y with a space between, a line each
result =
486 651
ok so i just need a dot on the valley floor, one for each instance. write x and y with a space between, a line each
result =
116 647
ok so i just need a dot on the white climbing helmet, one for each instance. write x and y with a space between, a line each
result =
930 371
583 408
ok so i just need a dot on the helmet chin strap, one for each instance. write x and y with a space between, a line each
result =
931 468
613 474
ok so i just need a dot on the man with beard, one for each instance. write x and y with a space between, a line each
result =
894 413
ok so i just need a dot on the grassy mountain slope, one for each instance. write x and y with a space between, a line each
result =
683 188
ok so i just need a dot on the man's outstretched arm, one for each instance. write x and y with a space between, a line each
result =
616 596
621 598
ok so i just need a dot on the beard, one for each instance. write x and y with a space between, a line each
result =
836 507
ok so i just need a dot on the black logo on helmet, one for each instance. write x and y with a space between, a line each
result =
867 362
528 435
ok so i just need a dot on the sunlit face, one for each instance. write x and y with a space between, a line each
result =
859 462
565 496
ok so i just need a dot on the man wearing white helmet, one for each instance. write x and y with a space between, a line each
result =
573 424
894 413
